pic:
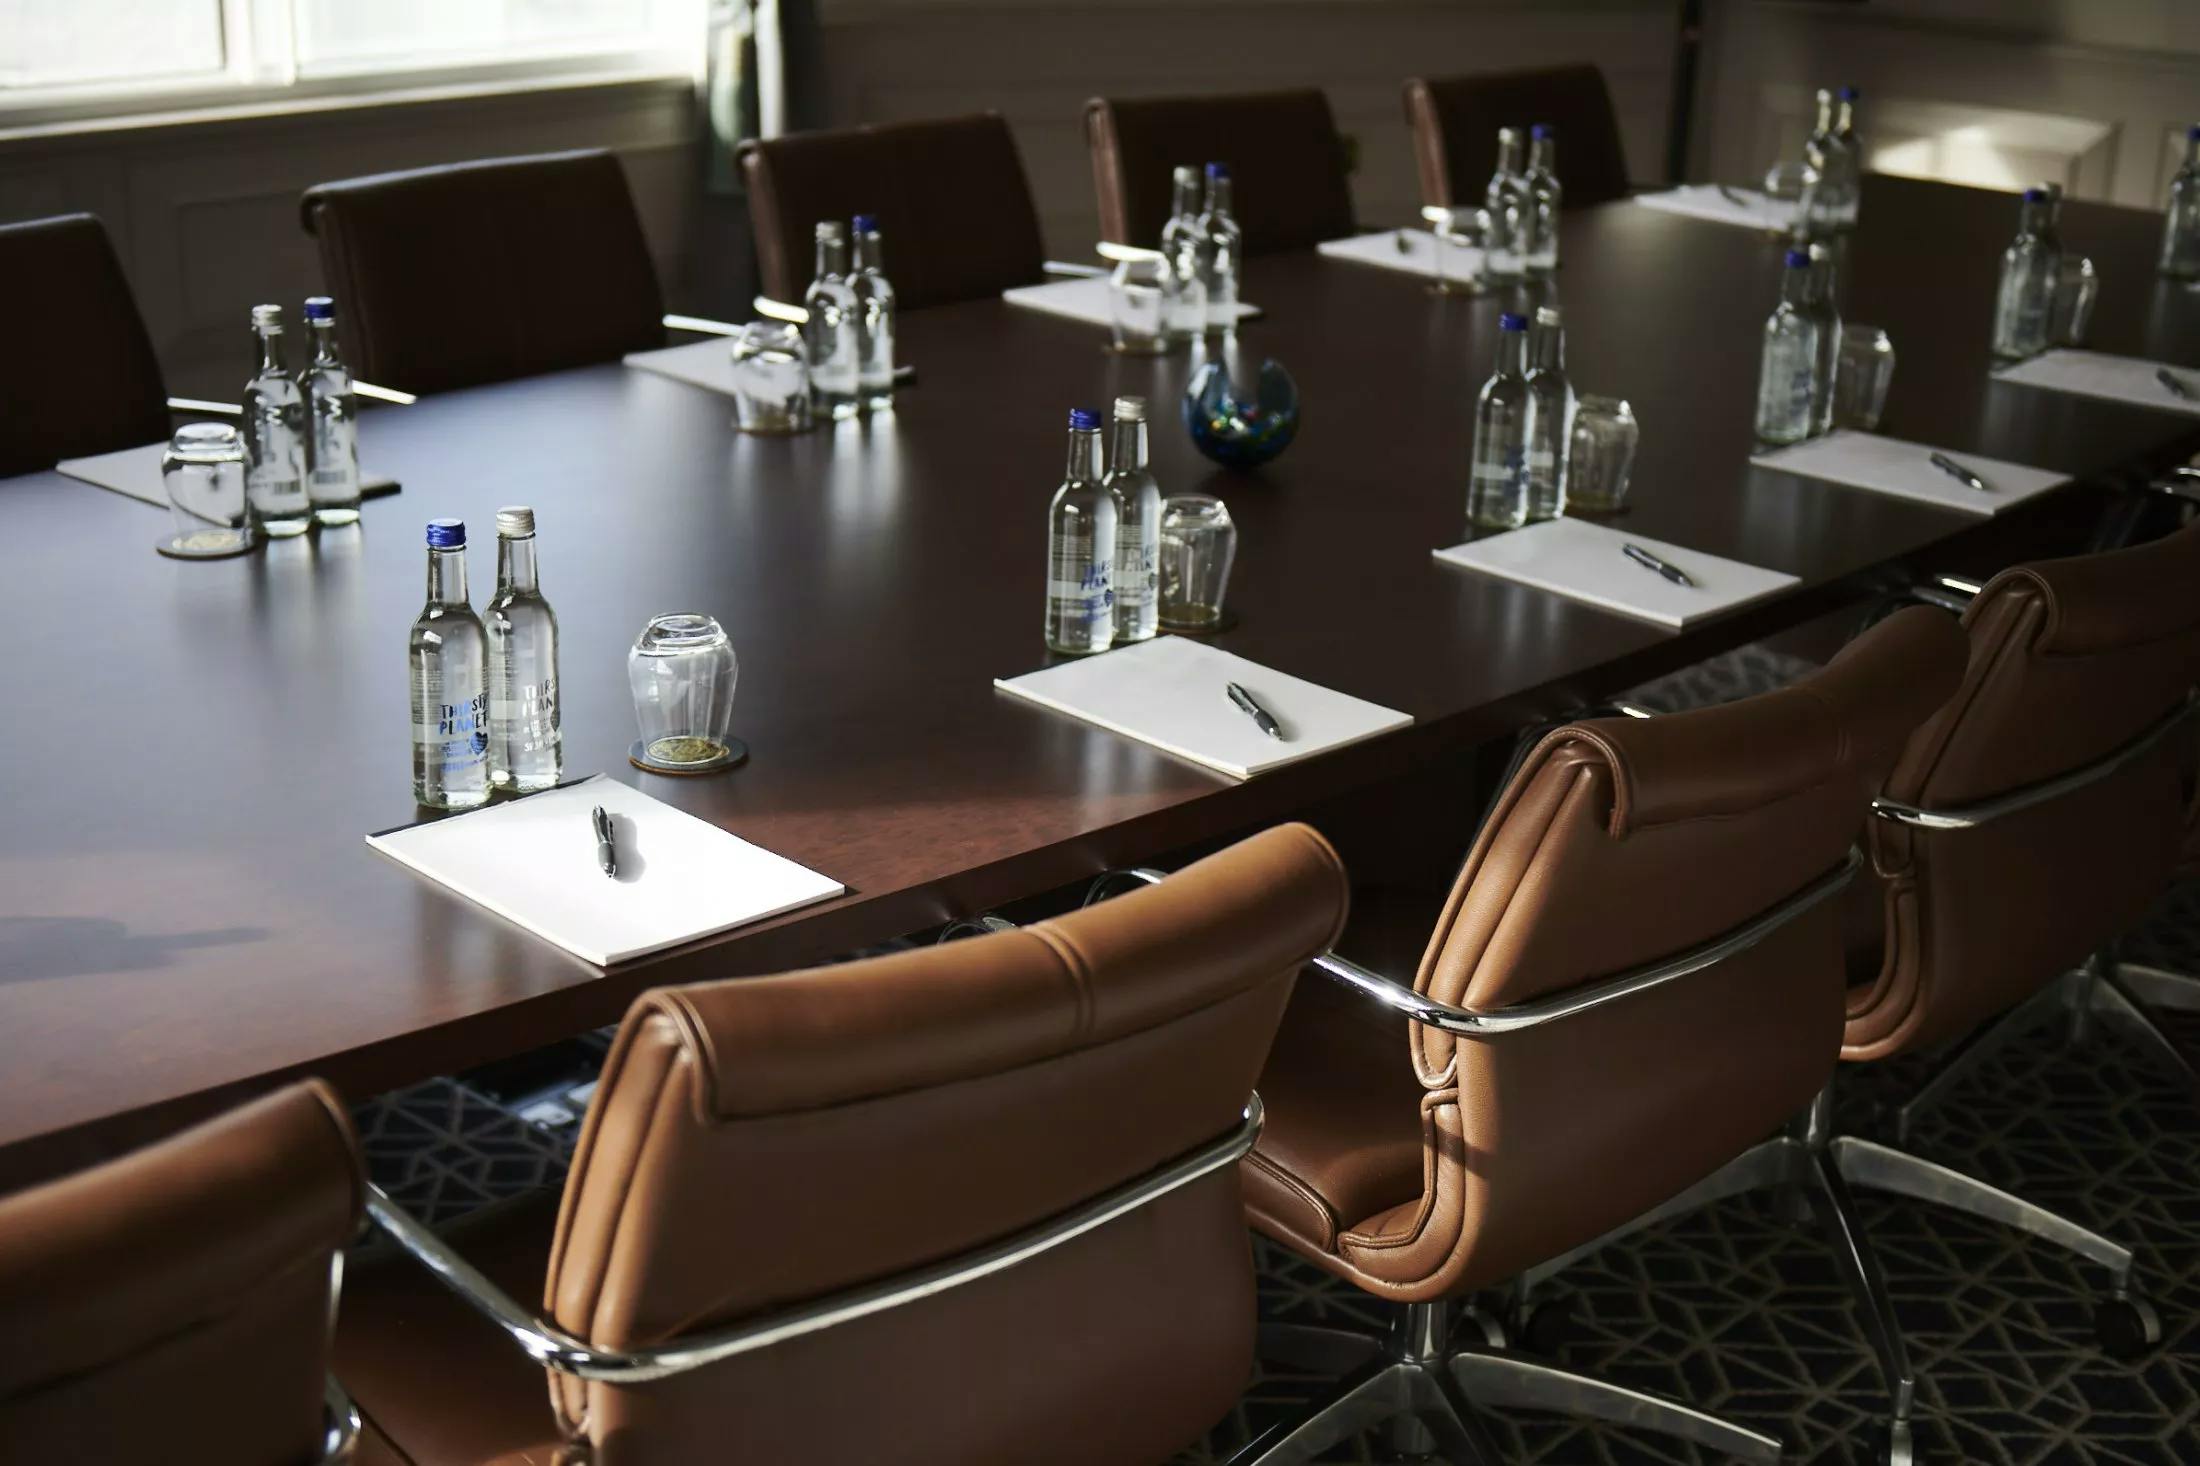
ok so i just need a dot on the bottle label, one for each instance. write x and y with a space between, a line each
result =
455 735
526 712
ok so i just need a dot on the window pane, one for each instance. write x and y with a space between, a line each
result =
341 33
56 42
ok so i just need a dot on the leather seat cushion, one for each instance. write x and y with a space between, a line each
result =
439 1381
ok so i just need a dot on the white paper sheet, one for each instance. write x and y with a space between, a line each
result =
1892 466
136 472
1583 562
1706 201
706 364
1419 257
1169 692
533 861
1084 300
2117 378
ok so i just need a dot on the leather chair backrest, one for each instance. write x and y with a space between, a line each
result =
71 322
1287 162
1455 121
480 272
761 1142
1620 842
175 1304
954 209
2070 660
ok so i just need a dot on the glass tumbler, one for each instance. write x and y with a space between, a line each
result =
1459 252
2075 292
1600 455
771 379
682 672
1198 547
203 471
1138 305
1861 377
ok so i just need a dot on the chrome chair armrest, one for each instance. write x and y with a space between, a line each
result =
383 394
1064 270
1108 882
340 1428
2181 482
554 1348
700 325
201 405
780 310
973 926
1971 816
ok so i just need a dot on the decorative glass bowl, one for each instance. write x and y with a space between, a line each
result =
1233 431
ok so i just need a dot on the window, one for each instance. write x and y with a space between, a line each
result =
63 59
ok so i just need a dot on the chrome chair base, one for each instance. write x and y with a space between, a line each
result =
2115 994
1431 1394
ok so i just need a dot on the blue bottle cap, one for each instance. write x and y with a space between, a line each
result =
1798 258
2192 132
1081 419
320 308
864 223
446 534
1510 322
2035 195
1850 94
1218 170
1543 129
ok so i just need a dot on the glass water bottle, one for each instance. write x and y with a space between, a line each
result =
1497 495
1550 414
526 752
1221 251
1136 576
2031 271
1505 201
874 318
334 413
449 674
275 435
1543 197
831 335
2181 224
1185 307
1081 536
1787 376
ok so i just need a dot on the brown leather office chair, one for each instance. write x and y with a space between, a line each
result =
71 321
174 1305
1287 162
1642 889
1455 121
479 272
2030 822
976 1204
950 197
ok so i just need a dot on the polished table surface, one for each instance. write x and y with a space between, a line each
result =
194 751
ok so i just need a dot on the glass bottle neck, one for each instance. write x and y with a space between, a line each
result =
324 344
2037 218
1825 112
1084 455
868 254
1795 286
1128 450
447 577
271 349
1508 154
1512 352
1187 197
2192 152
1218 195
516 562
1547 348
832 258
1844 121
1541 157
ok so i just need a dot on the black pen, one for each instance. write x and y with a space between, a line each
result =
1956 470
2172 381
1649 561
1254 710
607 854
1734 196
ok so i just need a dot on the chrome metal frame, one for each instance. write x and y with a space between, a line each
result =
340 1432
555 1349
1987 810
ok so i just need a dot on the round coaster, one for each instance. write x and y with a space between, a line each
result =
638 755
1617 511
1227 622
1159 348
1464 290
203 544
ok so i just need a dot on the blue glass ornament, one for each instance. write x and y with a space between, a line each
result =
1232 431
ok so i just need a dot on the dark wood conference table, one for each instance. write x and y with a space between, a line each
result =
194 751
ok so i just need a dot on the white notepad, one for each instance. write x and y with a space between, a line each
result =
1706 201
1169 692
136 472
1891 466
1417 258
705 364
1084 299
533 861
2097 374
1583 561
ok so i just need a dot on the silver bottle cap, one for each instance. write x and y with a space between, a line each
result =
828 229
1546 315
1130 409
516 522
267 315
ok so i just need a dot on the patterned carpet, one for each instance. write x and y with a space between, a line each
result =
1734 1309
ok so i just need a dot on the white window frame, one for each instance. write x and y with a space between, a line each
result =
261 76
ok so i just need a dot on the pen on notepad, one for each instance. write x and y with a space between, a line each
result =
1255 711
607 854
2175 383
1649 561
1734 195
1957 471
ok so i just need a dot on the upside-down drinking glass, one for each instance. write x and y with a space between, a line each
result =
203 470
1138 305
682 671
1600 455
1198 546
771 378
1861 377
2075 292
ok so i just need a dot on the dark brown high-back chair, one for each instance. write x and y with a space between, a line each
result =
950 197
1288 164
2029 824
1637 977
71 321
1455 121
975 1205
174 1305
480 272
